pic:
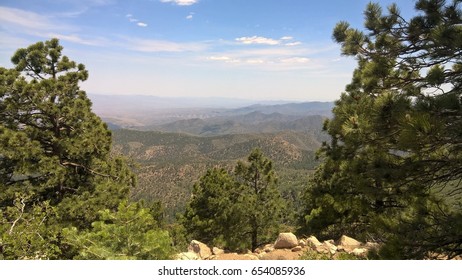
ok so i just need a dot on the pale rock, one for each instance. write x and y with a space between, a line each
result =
202 250
360 252
348 244
251 257
313 242
286 240
329 244
187 256
297 249
268 248
302 243
331 241
217 251
326 248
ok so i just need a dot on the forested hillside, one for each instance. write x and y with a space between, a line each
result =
168 163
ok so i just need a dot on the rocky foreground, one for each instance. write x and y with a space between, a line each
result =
286 247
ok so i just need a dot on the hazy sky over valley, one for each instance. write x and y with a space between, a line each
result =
252 49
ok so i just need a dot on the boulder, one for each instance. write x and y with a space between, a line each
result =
297 249
268 248
302 243
217 251
187 256
250 257
286 240
348 244
329 247
313 242
360 252
199 248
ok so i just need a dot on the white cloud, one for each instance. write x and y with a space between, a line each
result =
219 58
287 38
293 44
190 16
131 18
135 20
74 38
257 40
181 2
24 19
295 60
255 61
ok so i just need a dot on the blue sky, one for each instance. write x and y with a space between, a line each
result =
251 49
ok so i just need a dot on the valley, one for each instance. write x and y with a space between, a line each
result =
169 155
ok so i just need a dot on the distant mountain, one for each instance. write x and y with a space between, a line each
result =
293 109
147 112
254 122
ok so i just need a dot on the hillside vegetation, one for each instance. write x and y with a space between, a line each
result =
169 163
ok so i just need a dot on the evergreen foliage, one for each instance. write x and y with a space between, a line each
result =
236 211
56 168
130 233
392 170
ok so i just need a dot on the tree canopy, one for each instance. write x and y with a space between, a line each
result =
242 210
56 165
392 170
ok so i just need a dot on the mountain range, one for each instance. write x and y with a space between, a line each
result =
157 113
174 141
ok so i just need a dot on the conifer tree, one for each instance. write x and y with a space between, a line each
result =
392 170
214 214
238 211
56 166
262 200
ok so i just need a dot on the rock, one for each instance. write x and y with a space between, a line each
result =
331 241
326 248
286 240
250 257
217 251
348 244
360 252
313 242
302 243
330 246
187 256
268 248
202 250
297 249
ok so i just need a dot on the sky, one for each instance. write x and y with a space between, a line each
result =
249 49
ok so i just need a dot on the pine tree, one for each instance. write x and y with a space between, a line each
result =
392 170
56 166
214 214
262 200
238 211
